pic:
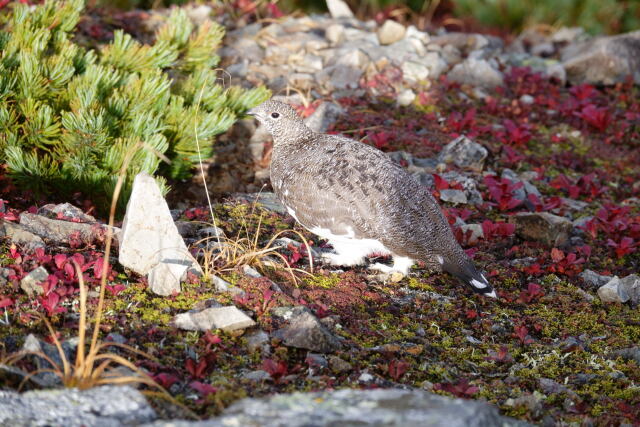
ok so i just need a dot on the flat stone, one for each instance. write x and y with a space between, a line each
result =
345 77
103 406
631 353
390 32
227 318
603 60
66 210
61 232
30 283
453 196
222 285
464 153
348 407
19 235
553 230
150 242
303 330
477 73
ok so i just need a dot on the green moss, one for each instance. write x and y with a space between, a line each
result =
323 281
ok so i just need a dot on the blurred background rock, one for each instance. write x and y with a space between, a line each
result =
493 16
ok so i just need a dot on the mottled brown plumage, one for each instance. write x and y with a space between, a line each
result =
360 200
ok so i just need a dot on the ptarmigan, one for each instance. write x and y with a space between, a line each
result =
357 198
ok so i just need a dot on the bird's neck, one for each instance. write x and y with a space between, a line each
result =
293 136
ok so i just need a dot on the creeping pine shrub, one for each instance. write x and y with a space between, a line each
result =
69 114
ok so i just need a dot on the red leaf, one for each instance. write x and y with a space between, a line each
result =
202 388
397 368
5 302
59 260
557 255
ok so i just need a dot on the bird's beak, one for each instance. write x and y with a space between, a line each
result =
253 112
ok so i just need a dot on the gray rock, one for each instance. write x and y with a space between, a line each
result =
338 365
303 330
222 285
324 116
544 227
60 232
257 376
30 283
227 318
339 9
453 196
593 279
257 339
631 285
104 406
390 32
613 291
344 77
476 72
380 407
67 210
632 353
464 153
150 242
604 60
19 235
526 189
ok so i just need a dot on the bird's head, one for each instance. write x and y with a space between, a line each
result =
280 120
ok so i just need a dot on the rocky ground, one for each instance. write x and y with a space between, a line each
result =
531 147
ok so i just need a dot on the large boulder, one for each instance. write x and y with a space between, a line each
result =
603 60
380 407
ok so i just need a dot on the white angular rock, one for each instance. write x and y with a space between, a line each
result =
339 9
150 242
414 72
406 97
226 318
613 291
334 34
390 32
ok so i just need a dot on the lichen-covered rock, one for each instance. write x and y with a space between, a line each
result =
104 406
30 283
303 330
553 230
464 153
347 407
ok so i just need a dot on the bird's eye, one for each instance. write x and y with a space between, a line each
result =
275 115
